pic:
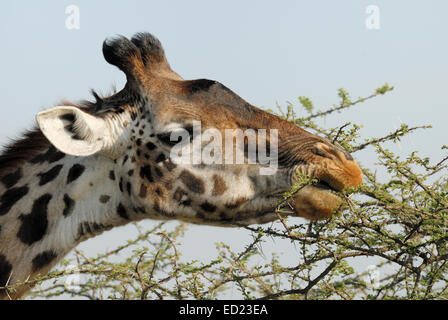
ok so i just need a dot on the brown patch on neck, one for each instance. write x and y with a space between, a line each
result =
219 186
18 152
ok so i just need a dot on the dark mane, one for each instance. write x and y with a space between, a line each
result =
88 105
115 100
30 145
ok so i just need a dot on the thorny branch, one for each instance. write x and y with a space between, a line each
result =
399 225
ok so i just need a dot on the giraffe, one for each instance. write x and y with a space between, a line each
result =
92 166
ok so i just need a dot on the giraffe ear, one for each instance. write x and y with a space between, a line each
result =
74 131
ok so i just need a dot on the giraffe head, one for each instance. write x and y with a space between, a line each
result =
158 115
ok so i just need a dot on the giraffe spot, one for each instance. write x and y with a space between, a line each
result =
238 202
224 217
191 182
181 196
11 179
199 85
140 210
145 172
219 186
207 206
186 202
126 157
5 272
69 205
151 146
178 194
52 155
161 158
104 198
158 172
159 192
121 211
139 142
43 259
112 175
169 165
50 175
75 172
10 197
143 191
34 225
130 173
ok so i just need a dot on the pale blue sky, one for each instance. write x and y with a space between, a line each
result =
266 51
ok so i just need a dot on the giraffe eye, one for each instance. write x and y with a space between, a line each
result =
165 138
174 137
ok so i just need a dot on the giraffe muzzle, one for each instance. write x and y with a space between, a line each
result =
323 199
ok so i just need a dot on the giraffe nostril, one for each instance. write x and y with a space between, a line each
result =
322 153
335 166
332 152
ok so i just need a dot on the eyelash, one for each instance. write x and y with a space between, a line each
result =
166 137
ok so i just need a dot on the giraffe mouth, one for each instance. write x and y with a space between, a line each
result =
322 184
318 201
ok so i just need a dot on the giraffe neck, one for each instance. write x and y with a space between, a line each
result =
48 204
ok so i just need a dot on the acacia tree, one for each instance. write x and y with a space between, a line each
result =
399 223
